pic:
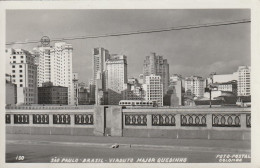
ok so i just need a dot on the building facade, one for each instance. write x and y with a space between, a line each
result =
55 65
244 81
154 64
194 86
100 56
49 94
221 78
116 78
174 94
134 90
23 70
230 86
83 96
10 91
154 89
92 91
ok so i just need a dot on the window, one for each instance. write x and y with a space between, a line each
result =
14 57
21 75
21 56
21 61
13 76
13 66
21 70
13 71
14 61
21 80
20 66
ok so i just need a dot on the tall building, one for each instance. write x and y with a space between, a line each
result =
55 65
156 65
153 89
174 93
43 61
23 70
244 83
116 78
100 56
194 86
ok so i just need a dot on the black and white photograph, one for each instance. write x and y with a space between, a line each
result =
148 86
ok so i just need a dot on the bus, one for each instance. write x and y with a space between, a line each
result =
137 103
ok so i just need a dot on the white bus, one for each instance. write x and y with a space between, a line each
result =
137 103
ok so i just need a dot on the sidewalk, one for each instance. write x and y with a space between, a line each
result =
132 142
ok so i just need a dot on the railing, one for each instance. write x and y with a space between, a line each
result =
215 118
47 119
153 122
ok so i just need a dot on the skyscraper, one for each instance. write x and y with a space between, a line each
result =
100 56
43 61
156 65
174 93
116 78
23 70
55 65
194 85
153 89
244 83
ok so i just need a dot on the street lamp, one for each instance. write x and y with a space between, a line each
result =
76 91
141 90
209 89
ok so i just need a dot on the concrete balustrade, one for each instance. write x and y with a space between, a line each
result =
206 123
178 123
60 122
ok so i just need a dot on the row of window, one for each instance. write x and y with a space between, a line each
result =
19 71
14 57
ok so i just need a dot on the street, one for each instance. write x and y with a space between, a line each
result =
46 153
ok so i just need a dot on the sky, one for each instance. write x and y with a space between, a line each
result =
189 52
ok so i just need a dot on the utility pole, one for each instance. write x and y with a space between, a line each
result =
209 98
141 90
209 89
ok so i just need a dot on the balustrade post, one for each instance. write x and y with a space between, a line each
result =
178 120
30 119
149 120
50 120
72 119
243 121
209 121
12 119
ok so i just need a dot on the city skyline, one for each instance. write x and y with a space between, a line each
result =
230 45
